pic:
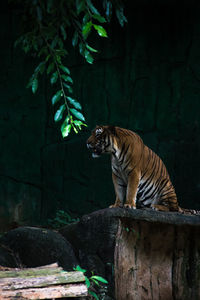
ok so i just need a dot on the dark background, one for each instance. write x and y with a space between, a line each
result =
146 77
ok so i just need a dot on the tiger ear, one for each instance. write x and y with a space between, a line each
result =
112 129
98 130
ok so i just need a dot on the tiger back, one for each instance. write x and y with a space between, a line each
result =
139 175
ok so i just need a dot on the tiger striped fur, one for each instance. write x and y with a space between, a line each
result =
139 175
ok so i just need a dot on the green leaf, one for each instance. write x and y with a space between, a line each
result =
88 57
50 67
78 268
35 46
101 31
81 48
92 8
60 52
99 278
74 127
40 68
34 85
75 39
60 44
87 282
95 281
54 42
65 69
63 32
56 97
67 78
120 15
65 129
108 9
79 124
59 114
68 87
54 77
39 13
80 5
77 114
75 103
30 82
93 294
47 58
99 18
90 48
26 48
86 29
58 58
86 18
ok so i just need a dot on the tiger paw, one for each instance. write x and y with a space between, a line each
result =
129 206
157 207
115 205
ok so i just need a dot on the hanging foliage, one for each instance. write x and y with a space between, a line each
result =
47 27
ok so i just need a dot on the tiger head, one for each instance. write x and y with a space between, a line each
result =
101 140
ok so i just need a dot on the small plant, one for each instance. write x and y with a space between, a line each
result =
91 281
127 229
62 218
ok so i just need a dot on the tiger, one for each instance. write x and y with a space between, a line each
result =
138 173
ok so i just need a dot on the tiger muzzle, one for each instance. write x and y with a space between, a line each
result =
96 151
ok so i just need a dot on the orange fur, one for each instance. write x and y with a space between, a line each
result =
139 175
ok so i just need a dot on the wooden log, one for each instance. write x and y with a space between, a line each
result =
41 283
155 260
51 266
38 271
59 291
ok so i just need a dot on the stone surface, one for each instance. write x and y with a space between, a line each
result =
149 215
93 241
7 257
33 247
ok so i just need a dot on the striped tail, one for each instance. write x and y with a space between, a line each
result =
187 211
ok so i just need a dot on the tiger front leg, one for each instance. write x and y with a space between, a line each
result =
120 191
133 182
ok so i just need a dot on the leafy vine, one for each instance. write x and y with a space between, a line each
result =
47 27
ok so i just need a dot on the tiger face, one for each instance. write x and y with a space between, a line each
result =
99 141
